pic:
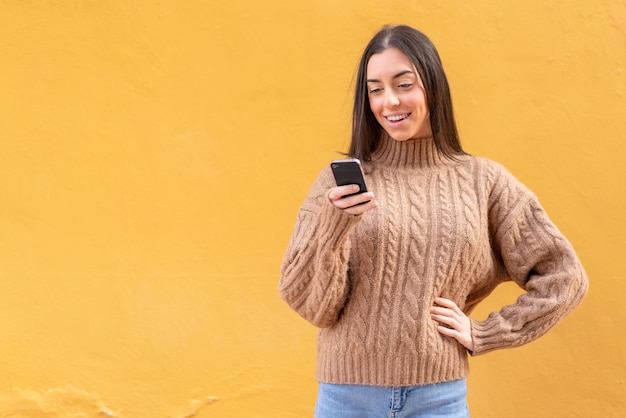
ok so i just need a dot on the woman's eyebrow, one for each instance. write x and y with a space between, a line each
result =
400 74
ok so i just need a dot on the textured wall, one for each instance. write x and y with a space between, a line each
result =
154 154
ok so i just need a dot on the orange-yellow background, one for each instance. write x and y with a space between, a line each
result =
154 154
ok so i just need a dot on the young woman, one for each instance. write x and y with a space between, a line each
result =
390 276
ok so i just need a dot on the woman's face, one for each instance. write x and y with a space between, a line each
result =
397 97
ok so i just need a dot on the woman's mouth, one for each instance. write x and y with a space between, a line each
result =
397 118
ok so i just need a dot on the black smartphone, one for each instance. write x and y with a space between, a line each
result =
349 172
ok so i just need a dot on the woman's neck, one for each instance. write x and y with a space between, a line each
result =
413 153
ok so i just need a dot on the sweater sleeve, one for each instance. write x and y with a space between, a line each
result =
538 258
314 273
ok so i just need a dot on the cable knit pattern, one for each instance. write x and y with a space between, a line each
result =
449 228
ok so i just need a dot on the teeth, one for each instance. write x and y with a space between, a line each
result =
396 118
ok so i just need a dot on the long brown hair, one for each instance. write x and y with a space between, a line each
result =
422 53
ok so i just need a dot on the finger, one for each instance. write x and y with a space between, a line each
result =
337 193
466 342
361 208
445 313
350 201
449 332
441 311
448 304
445 302
359 199
452 333
450 322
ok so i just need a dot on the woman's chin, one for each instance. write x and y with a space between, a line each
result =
403 137
399 137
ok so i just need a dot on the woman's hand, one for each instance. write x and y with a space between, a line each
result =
453 322
354 205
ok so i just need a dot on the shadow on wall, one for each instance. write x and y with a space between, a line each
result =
71 402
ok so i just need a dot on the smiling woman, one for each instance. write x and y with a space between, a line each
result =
391 275
406 52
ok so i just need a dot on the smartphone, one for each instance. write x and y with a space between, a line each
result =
349 172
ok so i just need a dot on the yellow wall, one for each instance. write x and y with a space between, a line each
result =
153 156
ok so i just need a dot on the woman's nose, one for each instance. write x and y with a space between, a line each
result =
391 99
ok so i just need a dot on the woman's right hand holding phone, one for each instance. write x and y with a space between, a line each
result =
342 197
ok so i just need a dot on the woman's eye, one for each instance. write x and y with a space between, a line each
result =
405 85
375 90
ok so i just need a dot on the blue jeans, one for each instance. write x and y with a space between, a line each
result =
447 399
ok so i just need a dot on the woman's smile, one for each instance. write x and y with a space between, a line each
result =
397 118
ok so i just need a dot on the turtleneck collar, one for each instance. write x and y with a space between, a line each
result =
414 153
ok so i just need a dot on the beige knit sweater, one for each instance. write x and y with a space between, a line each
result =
454 229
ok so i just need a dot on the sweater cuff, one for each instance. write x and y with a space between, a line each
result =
487 336
335 225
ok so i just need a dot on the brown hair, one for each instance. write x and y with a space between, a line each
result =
422 53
